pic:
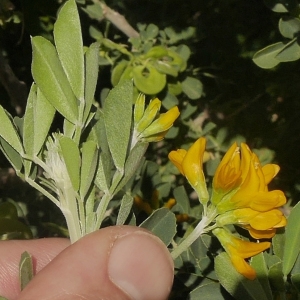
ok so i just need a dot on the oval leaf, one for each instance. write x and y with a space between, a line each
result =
266 58
162 223
148 80
51 79
68 41
192 87
25 269
117 119
289 27
290 52
118 71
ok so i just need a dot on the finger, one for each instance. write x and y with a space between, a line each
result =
119 262
42 251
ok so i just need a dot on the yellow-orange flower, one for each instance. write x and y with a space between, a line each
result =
253 190
149 126
228 173
240 196
238 250
254 221
190 164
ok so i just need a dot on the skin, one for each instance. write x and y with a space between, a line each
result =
119 262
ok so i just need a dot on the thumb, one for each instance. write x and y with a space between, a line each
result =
119 262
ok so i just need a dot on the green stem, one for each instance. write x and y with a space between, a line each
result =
70 209
200 229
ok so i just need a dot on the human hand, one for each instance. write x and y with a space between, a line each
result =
119 262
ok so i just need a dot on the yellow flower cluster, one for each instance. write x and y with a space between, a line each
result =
240 196
149 125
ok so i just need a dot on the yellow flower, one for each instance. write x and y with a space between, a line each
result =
149 126
238 250
160 126
190 164
253 191
254 221
228 173
148 116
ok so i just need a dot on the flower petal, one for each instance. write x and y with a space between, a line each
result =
264 201
176 157
260 234
270 171
163 123
192 162
267 220
228 173
242 267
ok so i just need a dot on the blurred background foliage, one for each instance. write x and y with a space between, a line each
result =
194 54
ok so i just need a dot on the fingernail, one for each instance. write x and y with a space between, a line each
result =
141 266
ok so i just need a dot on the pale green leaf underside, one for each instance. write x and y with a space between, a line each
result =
25 269
51 78
68 41
117 119
162 223
8 131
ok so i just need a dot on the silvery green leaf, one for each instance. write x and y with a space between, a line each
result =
125 208
89 156
162 223
28 125
9 132
71 155
117 119
12 155
69 128
258 262
103 175
207 291
68 41
91 76
38 118
132 163
25 269
50 77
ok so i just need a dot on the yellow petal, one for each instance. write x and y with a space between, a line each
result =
228 173
270 171
246 159
267 220
242 267
264 201
149 115
260 234
176 157
139 108
246 249
163 123
192 162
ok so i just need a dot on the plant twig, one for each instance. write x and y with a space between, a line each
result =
117 19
